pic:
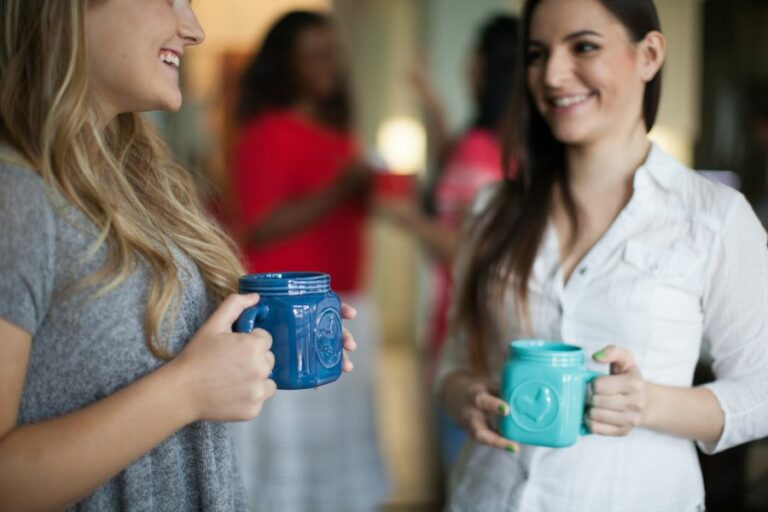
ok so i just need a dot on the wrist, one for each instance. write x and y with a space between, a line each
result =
650 415
177 380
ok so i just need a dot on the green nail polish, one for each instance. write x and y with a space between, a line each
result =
502 410
599 355
511 448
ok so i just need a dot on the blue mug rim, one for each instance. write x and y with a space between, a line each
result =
285 282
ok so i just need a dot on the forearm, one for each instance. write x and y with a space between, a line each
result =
693 413
294 216
69 456
437 129
440 241
452 389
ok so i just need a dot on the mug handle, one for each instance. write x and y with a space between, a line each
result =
251 318
588 376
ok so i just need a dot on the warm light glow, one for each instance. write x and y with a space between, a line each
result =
675 142
402 143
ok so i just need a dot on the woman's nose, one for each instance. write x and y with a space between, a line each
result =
558 69
189 28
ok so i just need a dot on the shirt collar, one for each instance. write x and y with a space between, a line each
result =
658 167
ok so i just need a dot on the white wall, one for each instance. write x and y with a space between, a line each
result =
678 121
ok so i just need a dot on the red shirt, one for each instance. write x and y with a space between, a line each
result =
282 157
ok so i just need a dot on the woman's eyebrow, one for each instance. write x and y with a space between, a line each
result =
573 35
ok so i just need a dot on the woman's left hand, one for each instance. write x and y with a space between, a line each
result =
618 401
349 343
403 211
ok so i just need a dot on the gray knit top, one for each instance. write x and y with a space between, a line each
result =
84 350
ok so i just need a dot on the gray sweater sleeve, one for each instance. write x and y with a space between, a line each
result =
27 248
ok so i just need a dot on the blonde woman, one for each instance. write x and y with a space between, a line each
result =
113 385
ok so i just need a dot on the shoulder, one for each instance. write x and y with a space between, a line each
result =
480 147
271 127
14 175
22 191
679 189
479 139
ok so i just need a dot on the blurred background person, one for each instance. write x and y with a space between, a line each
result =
301 194
466 163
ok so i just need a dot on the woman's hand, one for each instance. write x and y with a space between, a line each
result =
225 374
355 180
348 342
618 401
401 211
474 402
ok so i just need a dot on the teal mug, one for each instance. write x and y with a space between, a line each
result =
544 384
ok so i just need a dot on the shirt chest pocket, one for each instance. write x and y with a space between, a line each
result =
665 282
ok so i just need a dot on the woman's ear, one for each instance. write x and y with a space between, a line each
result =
653 50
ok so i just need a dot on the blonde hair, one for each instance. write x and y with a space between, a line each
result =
121 177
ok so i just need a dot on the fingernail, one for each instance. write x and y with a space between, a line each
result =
503 410
599 355
511 448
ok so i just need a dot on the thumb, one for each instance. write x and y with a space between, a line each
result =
620 359
228 311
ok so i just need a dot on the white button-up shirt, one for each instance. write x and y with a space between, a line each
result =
684 267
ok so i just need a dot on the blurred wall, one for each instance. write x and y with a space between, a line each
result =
382 36
735 90
679 117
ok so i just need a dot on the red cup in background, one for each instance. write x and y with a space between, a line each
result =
390 185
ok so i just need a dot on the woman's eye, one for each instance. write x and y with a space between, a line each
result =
534 56
585 47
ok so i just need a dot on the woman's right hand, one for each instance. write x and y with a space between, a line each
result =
226 374
475 403
355 179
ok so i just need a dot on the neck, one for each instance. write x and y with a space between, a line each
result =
307 109
609 163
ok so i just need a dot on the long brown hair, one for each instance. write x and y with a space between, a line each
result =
121 177
509 230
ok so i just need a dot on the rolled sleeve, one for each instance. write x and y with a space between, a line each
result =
735 309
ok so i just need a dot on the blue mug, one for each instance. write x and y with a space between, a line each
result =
303 316
544 384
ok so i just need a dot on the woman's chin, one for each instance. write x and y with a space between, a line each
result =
171 102
570 136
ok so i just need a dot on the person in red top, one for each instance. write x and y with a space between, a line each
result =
296 193
472 161
301 192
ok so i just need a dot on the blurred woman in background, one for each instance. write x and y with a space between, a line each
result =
466 164
301 191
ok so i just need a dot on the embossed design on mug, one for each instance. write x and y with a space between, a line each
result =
535 405
328 338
